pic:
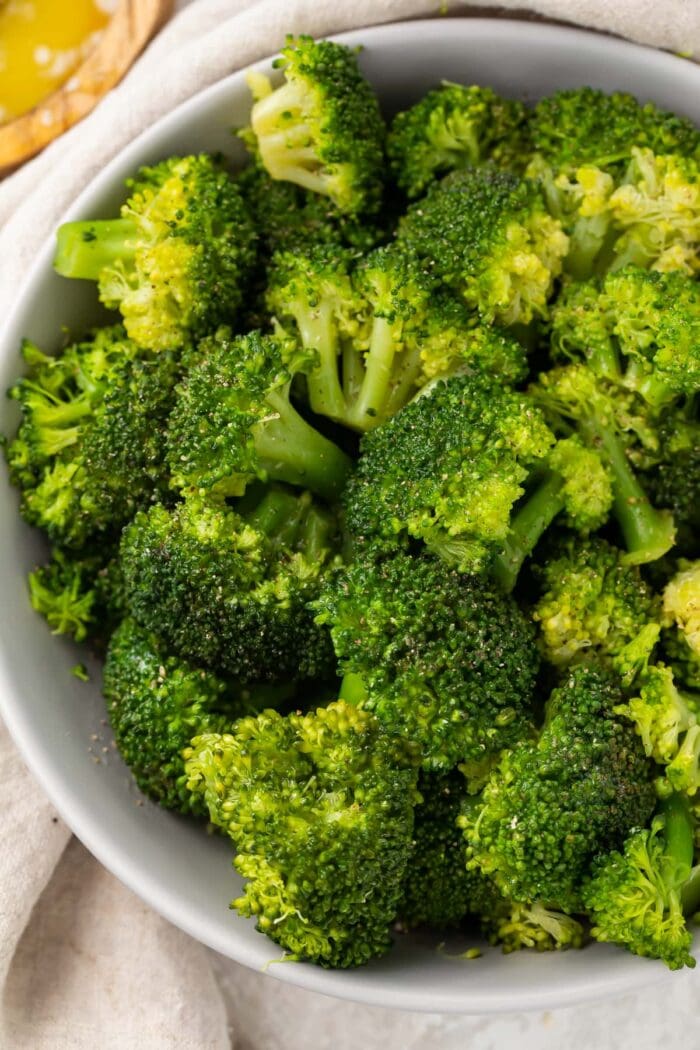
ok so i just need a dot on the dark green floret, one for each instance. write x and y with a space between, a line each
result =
233 421
454 483
322 128
673 479
550 806
454 127
635 897
487 235
230 591
320 809
156 704
178 260
446 661
593 604
89 449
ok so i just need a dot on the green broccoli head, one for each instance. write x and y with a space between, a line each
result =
178 260
322 128
288 218
156 704
233 422
320 808
437 887
81 595
518 926
586 126
450 484
682 603
550 806
446 661
89 449
231 591
667 722
593 604
634 895
454 127
673 479
487 235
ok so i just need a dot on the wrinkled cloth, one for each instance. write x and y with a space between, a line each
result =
83 962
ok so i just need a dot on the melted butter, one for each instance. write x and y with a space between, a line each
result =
41 44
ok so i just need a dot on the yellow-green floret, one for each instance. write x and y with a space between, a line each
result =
177 261
321 128
634 896
487 235
320 809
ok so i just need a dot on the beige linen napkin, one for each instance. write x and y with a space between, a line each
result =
83 963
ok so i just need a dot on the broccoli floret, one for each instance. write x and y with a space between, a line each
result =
233 422
379 331
89 449
666 720
487 235
156 704
454 127
535 926
635 896
230 591
453 485
550 806
288 218
586 145
673 478
682 604
586 126
595 605
178 260
446 661
437 887
320 808
81 595
322 128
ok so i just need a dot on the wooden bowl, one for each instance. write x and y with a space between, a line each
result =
131 27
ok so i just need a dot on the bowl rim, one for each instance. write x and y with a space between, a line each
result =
77 812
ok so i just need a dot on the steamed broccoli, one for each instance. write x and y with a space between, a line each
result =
233 422
89 449
453 483
446 661
608 164
682 606
320 809
322 128
635 896
156 704
455 127
488 236
178 260
673 478
593 604
550 806
437 887
379 330
230 591
81 595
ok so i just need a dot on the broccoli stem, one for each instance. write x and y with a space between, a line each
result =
85 249
279 515
648 533
352 689
405 382
317 534
369 407
353 372
291 450
690 893
526 528
679 838
318 332
585 243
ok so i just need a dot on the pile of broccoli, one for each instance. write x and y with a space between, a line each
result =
381 500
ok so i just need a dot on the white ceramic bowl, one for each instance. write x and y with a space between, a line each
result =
58 722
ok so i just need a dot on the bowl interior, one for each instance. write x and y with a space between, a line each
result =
60 724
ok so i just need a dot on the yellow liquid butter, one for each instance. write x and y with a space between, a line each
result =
41 44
